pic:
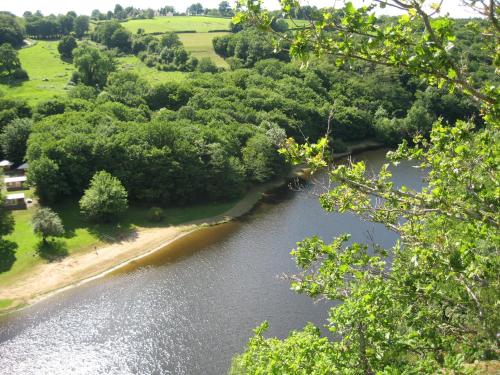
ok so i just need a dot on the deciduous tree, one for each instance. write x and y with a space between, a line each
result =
47 223
105 199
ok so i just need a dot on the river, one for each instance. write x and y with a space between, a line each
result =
190 307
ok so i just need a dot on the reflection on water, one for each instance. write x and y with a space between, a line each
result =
190 308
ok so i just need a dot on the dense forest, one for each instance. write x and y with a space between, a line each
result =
210 136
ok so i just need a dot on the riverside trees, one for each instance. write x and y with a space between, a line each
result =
430 303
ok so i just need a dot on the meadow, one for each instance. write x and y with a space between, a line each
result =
199 24
200 45
48 74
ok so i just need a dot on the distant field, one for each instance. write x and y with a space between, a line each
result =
49 75
200 45
47 72
199 24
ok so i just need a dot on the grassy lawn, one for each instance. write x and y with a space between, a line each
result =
179 23
48 74
82 235
200 45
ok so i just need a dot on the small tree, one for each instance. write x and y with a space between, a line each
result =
47 223
105 199
66 46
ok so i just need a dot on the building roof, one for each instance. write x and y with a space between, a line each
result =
5 163
23 166
15 179
16 196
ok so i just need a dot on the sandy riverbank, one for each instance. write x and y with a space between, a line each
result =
49 278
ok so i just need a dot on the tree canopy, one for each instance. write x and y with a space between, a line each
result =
430 303
105 199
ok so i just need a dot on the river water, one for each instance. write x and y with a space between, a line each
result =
190 308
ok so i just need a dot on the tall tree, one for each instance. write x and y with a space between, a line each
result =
14 138
225 9
81 25
6 218
9 60
105 199
430 303
10 30
93 65
195 9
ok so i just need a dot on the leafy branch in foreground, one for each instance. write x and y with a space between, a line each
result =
430 304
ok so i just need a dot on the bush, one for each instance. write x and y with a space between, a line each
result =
20 74
206 65
156 214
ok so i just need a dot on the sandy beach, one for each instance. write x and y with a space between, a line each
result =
46 279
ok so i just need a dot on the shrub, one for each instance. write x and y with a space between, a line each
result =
20 74
156 214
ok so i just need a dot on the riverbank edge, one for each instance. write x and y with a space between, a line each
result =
241 208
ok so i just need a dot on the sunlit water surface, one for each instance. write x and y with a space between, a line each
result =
190 308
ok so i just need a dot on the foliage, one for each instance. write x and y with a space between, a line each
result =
195 9
6 219
13 139
430 303
261 159
10 30
105 199
47 223
127 88
66 46
11 109
52 27
166 54
206 65
93 65
156 214
248 46
9 60
81 25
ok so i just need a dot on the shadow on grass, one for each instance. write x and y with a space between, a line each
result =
52 250
7 255
12 82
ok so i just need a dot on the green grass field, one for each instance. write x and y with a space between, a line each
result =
199 24
200 45
82 235
48 74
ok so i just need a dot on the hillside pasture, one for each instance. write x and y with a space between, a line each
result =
199 24
48 74
200 45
